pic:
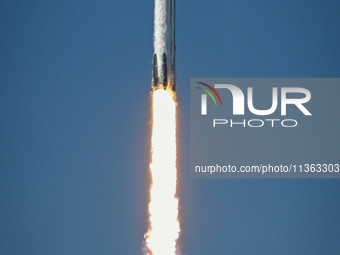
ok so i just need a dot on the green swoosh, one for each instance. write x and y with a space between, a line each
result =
209 94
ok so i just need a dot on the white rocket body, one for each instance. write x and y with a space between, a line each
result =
164 71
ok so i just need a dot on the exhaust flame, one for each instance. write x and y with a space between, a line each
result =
163 207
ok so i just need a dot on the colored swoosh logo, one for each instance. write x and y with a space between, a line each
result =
213 90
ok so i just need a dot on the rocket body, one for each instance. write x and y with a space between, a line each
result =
164 69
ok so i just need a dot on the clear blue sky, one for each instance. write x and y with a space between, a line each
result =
75 109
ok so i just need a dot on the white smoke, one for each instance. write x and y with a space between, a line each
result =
160 35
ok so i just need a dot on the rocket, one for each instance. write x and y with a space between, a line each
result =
164 71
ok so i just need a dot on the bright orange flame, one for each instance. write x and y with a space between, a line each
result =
163 208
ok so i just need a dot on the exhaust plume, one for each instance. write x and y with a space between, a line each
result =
163 207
